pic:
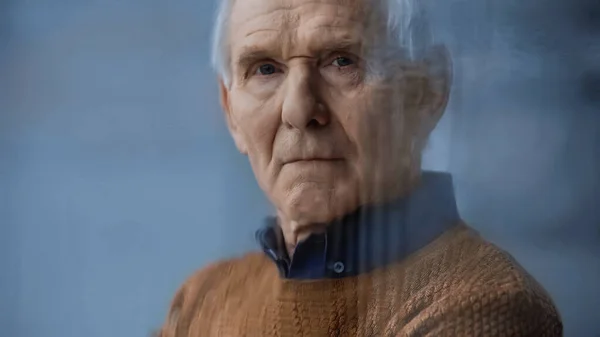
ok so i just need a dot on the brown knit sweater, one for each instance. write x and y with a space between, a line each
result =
459 285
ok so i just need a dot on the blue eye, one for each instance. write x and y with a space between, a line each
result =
342 62
266 69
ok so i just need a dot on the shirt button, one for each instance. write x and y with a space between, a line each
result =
338 267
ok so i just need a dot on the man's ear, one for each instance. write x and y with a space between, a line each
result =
232 123
436 88
439 65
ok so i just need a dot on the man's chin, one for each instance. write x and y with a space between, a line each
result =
314 208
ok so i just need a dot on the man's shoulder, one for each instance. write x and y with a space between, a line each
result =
228 270
462 259
499 288
474 265
480 282
207 288
499 283
481 263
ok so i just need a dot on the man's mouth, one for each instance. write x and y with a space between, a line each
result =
314 160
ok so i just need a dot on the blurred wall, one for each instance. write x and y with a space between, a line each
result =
117 171
118 177
526 140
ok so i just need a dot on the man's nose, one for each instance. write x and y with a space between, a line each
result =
302 107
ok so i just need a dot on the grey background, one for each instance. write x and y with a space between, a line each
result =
118 177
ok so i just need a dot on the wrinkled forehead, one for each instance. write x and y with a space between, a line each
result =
242 10
255 22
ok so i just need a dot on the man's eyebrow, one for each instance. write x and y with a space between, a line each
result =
252 54
340 45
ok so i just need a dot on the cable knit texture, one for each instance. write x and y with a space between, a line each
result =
459 285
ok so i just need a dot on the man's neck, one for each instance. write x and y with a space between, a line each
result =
295 232
388 230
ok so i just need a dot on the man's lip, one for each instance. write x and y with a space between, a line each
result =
312 159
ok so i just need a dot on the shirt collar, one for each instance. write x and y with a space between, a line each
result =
371 237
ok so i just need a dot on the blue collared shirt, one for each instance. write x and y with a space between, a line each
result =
370 237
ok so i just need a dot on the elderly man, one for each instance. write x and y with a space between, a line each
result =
332 101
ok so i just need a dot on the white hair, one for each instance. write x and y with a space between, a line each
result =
407 28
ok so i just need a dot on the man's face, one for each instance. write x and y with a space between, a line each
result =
323 134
